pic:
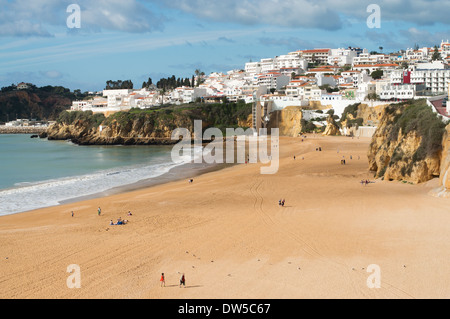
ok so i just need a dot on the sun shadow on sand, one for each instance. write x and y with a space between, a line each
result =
172 286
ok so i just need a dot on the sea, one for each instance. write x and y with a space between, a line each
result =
37 173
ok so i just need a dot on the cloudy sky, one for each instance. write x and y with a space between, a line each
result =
137 39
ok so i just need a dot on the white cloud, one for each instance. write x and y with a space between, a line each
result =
324 14
38 17
293 13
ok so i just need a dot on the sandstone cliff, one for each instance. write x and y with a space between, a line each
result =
407 144
287 120
138 127
332 128
445 163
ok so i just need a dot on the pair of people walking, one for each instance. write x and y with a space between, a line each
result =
182 280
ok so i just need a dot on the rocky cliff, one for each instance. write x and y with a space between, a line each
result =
332 128
287 120
407 144
139 127
445 163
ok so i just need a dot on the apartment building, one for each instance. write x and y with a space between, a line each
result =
273 80
417 55
303 90
398 92
367 58
316 56
445 49
290 62
373 67
116 98
267 65
435 81
253 67
342 57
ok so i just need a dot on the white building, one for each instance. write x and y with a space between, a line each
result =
417 55
398 92
116 98
373 67
267 65
273 80
184 95
290 61
316 56
435 81
445 48
322 79
304 91
89 105
22 86
365 89
367 58
342 57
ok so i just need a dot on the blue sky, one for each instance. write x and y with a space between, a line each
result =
137 39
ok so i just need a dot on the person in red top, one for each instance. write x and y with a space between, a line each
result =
183 281
163 280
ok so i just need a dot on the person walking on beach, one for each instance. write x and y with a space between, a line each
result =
282 203
183 281
163 280
72 213
99 211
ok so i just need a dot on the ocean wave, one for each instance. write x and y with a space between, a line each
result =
35 195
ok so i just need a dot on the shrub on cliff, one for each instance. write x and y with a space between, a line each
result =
419 117
87 118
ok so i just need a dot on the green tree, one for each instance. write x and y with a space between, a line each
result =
377 74
436 55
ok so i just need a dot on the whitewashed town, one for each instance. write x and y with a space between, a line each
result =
335 78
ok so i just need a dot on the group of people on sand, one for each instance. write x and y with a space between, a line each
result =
281 202
182 280
121 221
365 182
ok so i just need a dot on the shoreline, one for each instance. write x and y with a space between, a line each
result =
230 237
176 174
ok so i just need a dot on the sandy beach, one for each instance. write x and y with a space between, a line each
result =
230 237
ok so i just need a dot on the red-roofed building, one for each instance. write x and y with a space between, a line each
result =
316 56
